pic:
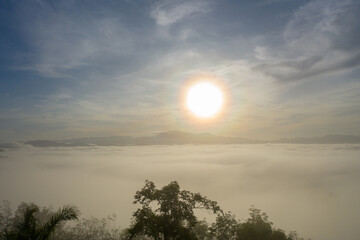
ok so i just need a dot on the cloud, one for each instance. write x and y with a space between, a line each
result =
316 182
289 70
265 3
66 42
321 37
117 68
168 12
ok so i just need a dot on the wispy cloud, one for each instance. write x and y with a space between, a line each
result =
167 12
64 38
124 63
320 38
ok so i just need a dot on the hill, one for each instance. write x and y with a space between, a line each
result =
183 138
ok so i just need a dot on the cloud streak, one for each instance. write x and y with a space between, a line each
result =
319 39
169 12
100 68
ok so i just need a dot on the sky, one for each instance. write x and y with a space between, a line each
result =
106 68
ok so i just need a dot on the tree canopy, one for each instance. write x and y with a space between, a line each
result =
257 227
28 227
164 214
173 217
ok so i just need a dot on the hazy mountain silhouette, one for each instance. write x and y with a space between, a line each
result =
83 142
163 138
328 139
178 137
4 145
181 138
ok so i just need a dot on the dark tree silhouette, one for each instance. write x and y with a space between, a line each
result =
174 217
28 226
91 228
257 227
165 214
226 227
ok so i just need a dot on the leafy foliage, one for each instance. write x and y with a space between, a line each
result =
226 227
27 226
165 214
91 229
257 227
202 230
174 218
6 215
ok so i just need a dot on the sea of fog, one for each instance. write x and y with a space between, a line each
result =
313 189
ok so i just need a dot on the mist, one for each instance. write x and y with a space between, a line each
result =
312 189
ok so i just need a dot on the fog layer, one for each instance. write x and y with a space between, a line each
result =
313 189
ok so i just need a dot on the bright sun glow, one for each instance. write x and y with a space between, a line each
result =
204 99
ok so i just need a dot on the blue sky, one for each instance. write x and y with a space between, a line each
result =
103 68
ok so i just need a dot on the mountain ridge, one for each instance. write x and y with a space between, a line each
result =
183 138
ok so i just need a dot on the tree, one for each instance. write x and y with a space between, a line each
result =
91 228
6 215
201 230
257 227
225 227
278 234
174 217
28 227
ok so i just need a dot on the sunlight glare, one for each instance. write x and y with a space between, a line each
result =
204 99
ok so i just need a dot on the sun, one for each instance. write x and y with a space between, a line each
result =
204 99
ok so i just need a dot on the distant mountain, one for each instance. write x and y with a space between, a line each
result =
178 137
163 138
9 145
182 138
83 142
329 139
